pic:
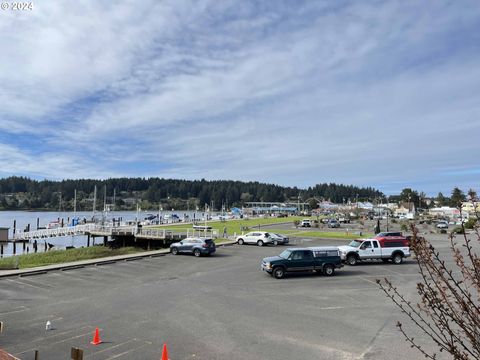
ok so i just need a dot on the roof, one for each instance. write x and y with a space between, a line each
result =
315 248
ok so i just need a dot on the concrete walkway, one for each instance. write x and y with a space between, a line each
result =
98 261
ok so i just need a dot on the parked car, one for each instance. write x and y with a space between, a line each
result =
255 237
373 249
195 246
344 219
442 225
306 223
333 224
320 259
279 239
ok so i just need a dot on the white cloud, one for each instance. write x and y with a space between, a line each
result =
370 94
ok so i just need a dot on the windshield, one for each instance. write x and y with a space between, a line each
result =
356 243
285 254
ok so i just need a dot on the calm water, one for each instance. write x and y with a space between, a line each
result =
23 218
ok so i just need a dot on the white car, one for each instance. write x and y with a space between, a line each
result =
306 223
442 225
255 237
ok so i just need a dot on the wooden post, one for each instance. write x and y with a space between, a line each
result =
88 240
105 240
62 222
76 354
14 248
1 250
24 246
36 355
38 223
14 226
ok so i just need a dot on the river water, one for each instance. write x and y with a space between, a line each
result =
24 218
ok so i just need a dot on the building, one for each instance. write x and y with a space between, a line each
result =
469 207
445 212
406 210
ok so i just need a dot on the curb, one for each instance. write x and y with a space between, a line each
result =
97 262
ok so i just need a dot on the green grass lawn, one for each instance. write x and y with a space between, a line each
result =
63 256
235 226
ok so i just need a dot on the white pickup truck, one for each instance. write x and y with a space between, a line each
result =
373 249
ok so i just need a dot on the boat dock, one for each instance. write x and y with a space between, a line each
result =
120 236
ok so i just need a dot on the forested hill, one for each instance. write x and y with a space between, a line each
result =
25 193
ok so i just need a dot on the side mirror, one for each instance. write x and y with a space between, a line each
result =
181 242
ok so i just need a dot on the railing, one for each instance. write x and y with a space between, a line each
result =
163 233
113 230
60 231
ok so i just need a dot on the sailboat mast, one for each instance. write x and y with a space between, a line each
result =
105 198
114 193
75 203
94 200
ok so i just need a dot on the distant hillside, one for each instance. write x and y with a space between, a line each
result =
25 193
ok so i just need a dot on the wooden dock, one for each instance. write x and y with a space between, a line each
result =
94 230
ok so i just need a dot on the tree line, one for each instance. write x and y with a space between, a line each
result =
25 193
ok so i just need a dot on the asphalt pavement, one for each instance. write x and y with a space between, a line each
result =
218 307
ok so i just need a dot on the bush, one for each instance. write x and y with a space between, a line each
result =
458 230
394 221
470 223
404 227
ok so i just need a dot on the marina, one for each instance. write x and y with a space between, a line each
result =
114 228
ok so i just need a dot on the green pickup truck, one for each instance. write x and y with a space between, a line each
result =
319 259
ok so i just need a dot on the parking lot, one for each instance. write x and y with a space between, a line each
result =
219 307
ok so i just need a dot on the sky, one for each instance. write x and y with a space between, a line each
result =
370 93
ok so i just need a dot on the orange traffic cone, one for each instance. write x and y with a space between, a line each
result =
96 338
164 352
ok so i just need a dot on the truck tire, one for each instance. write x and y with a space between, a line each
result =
174 251
275 242
352 260
240 242
260 243
328 270
197 253
397 258
279 272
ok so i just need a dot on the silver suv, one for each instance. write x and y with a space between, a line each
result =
195 246
255 237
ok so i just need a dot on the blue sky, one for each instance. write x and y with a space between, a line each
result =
371 93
